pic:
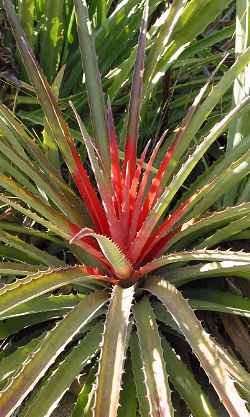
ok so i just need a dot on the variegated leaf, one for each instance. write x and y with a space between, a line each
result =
154 369
32 286
113 351
54 387
36 366
117 260
202 345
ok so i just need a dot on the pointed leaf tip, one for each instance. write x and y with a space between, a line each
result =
136 98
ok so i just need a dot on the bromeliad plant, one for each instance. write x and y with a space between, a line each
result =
125 231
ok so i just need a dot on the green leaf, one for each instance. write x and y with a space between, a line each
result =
180 276
239 129
15 268
138 374
49 350
128 399
30 231
208 194
195 18
233 259
162 40
36 166
202 345
51 37
202 112
48 303
221 301
136 96
10 363
85 396
56 222
45 95
101 12
114 346
13 325
210 222
32 286
167 196
54 387
93 81
225 233
30 250
156 378
186 384
117 260
26 9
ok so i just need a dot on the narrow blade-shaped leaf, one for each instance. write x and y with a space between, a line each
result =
56 121
113 353
137 367
239 129
238 258
202 345
54 387
56 341
32 286
156 379
186 384
93 81
136 98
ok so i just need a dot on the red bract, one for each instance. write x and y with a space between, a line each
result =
129 192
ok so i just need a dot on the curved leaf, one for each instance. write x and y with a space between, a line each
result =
17 268
222 301
56 222
168 194
234 258
59 304
30 250
180 276
117 260
186 384
51 347
10 363
205 109
32 286
192 232
57 124
202 345
54 387
225 233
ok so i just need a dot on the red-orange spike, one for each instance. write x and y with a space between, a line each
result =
155 188
88 194
135 221
135 180
125 203
163 234
155 251
136 99
145 179
140 240
114 153
133 192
